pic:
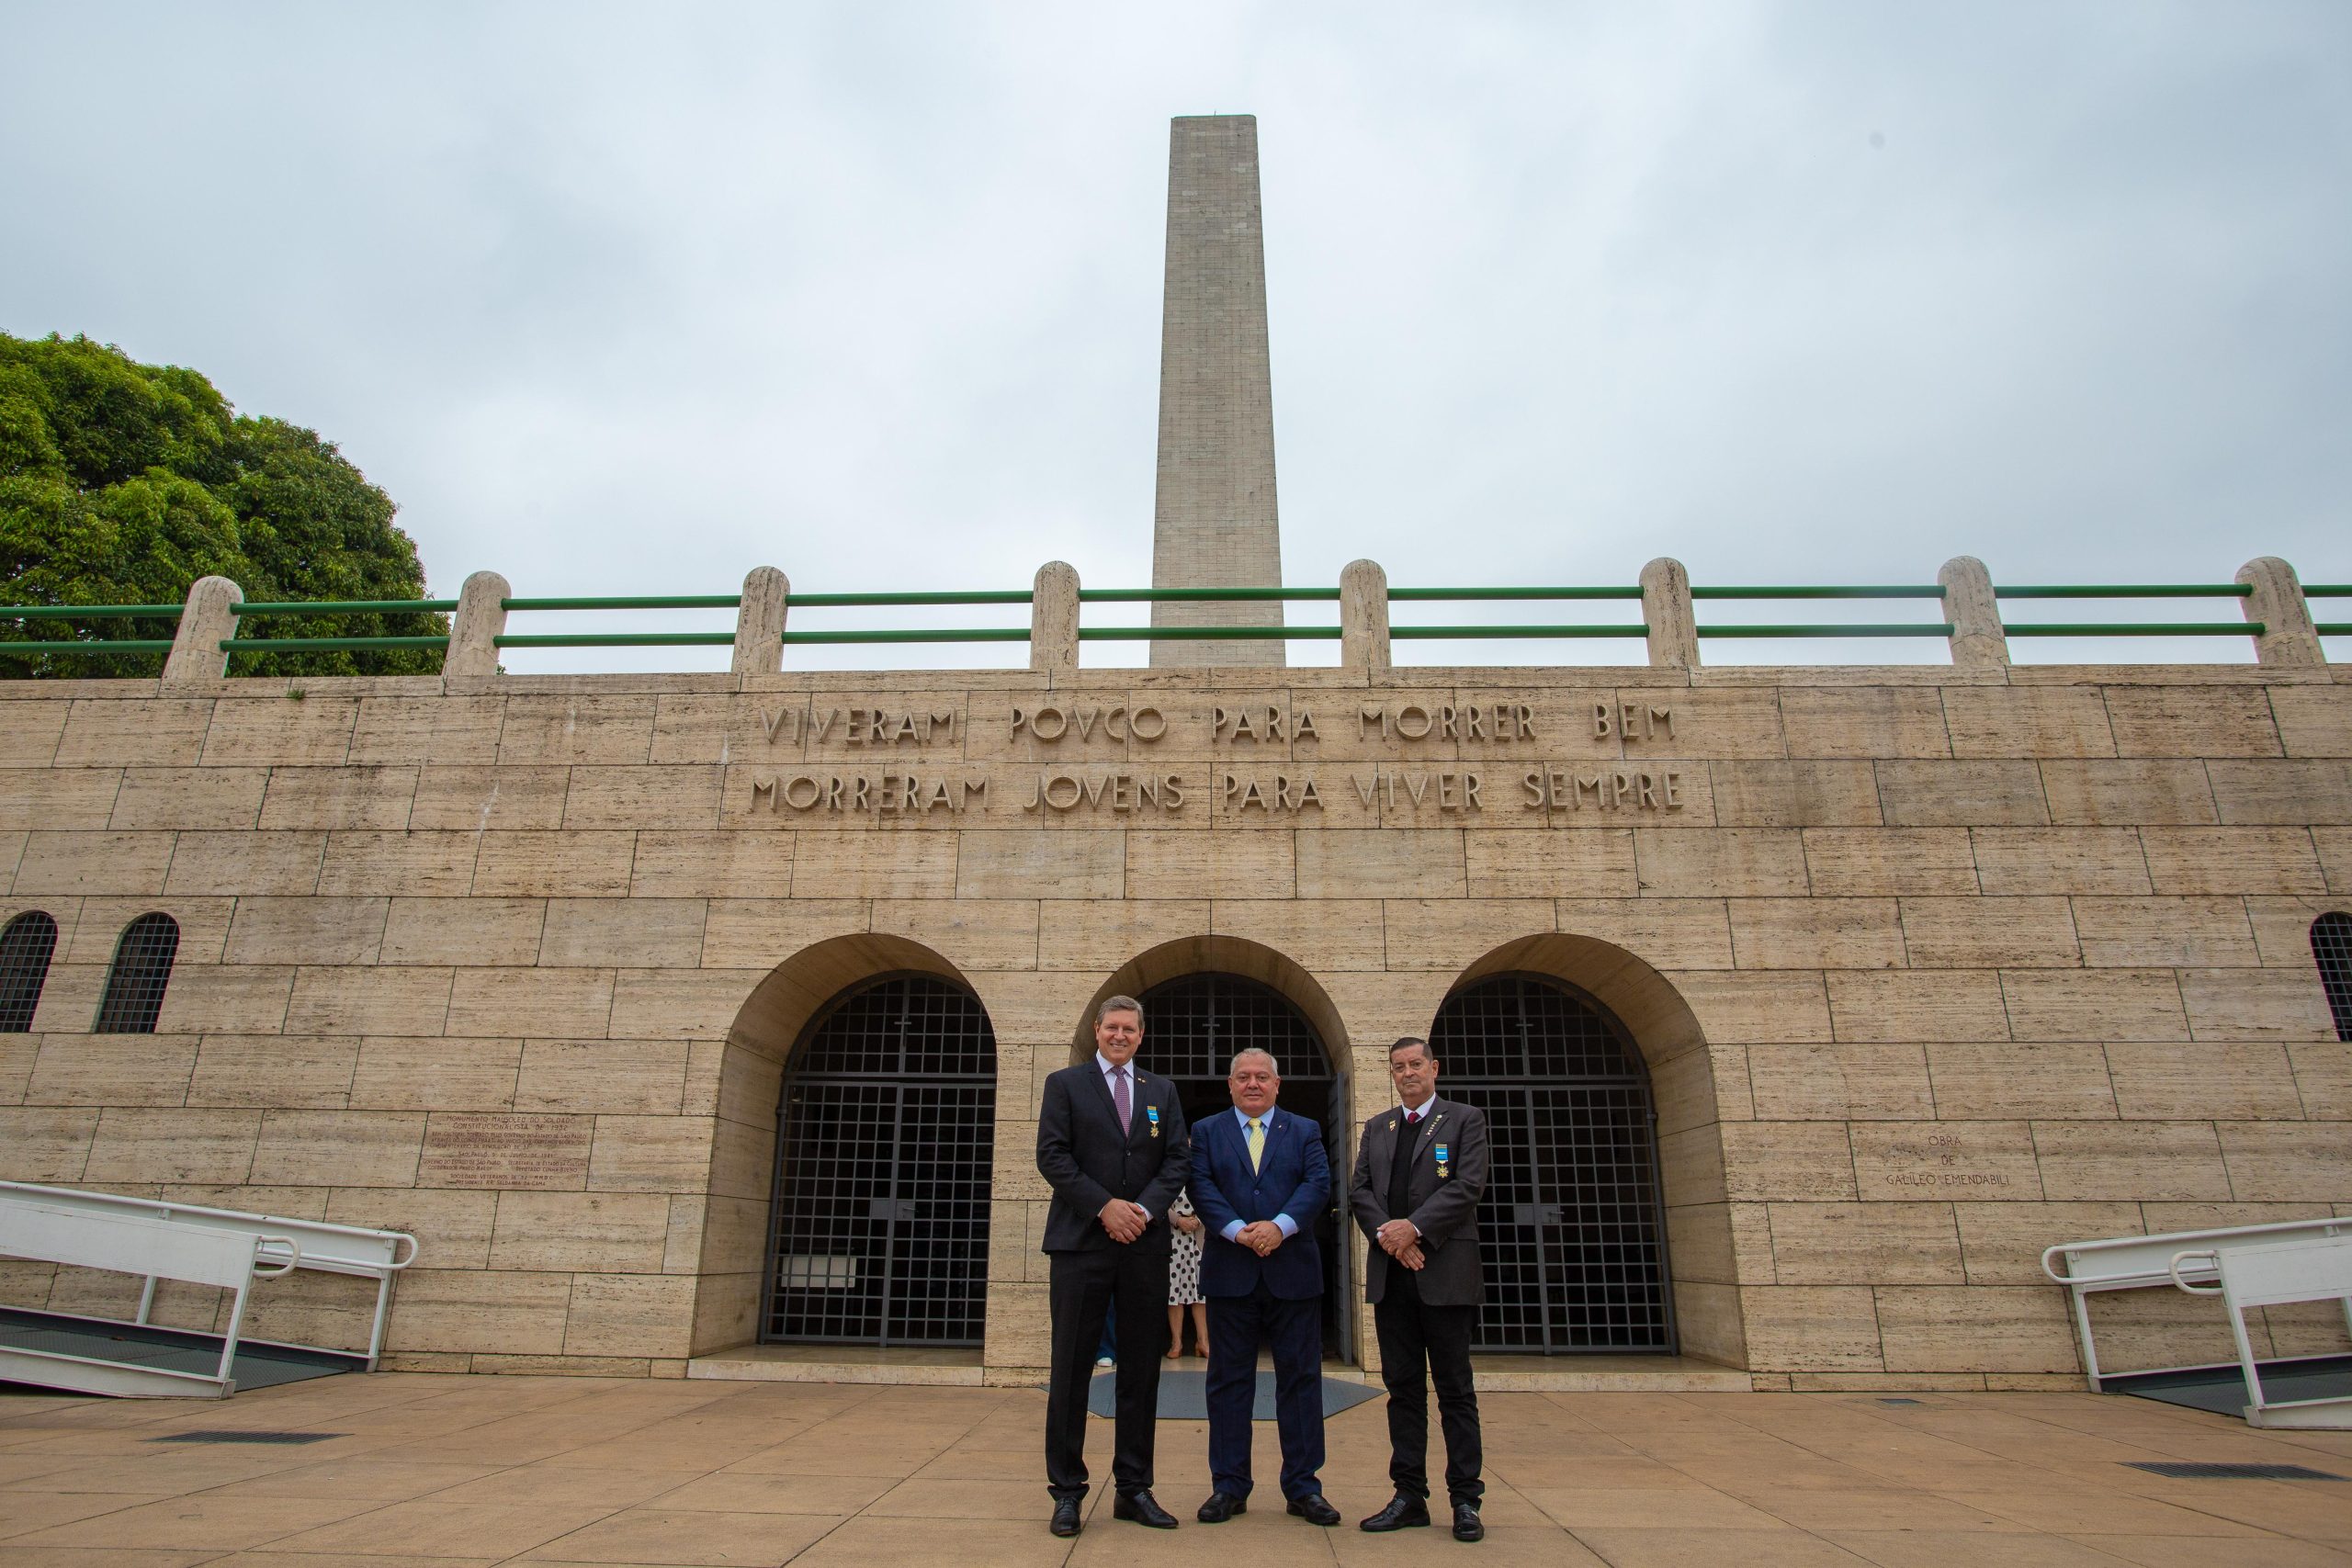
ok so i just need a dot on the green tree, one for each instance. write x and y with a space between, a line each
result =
122 483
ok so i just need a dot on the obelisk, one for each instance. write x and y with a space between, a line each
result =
1213 523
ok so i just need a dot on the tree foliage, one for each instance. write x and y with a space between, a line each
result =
122 483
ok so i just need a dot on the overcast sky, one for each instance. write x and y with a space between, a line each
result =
628 300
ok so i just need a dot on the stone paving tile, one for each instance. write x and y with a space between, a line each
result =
655 1535
13 1555
1670 1548
1939 1549
2172 1551
23 1513
202 1520
433 1528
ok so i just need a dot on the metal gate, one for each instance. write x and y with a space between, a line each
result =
879 1233
1572 1223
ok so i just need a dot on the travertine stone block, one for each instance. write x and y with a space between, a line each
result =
1666 611
1961 794
48 1144
2009 721
475 798
589 1077
313 931
319 1148
2016 861
482 1311
1100 934
628 1314
757 727
1772 1007
1814 1327
1396 863
2002 1241
444 730
449 931
659 1154
29 738
654 797
65 865
1596 862
618 1231
881 865
1986 933
185 797
759 622
133 1146
2288 1161
519 1151
1081 864
1449 934
759 934
1864 722
2282 929
17 1053
413 1073
1815 933
1052 619
2181 1082
93 936
2283 790
1795 795
1945 1161
264 862
69 1000
300 1071
2231 859
109 1069
2313 721
578 730
376 797
749 864
2100 1004
1998 1081
371 1001
1665 934
165 732
1838 1083
650 932
1719 862
1865 1243
281 729
1928 1328
1722 722
2191 721
2150 1161
412 864
2334 849
1926 1005
2128 790
1320 935
1847 862
1979 641
2128 933
559 1003
547 865
60 798
2323 1077
243 999
2256 1004
1792 1161
1197 865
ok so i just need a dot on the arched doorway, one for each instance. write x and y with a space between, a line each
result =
1194 1024
1572 1223
878 1228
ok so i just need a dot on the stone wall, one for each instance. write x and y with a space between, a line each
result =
1932 967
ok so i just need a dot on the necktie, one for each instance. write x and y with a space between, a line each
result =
1256 1142
1119 1098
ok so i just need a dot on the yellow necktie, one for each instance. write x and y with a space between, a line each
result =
1256 1142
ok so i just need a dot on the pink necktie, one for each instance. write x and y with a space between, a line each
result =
1119 1099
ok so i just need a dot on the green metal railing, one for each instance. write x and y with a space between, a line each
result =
1513 631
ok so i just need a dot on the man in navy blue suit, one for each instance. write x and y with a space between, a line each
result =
1259 1181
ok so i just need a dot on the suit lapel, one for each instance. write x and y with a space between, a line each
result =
1429 1126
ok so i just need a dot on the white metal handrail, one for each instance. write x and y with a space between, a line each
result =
313 1245
2173 1258
2280 1273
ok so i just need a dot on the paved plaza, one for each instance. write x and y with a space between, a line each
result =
486 1470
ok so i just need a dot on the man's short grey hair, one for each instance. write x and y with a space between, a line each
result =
1118 1004
1272 1065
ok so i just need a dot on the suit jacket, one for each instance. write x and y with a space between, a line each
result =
1294 1177
1087 1160
1446 1207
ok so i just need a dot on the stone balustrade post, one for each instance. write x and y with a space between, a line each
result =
2276 603
208 618
1977 640
1052 619
759 622
1665 606
1364 617
475 630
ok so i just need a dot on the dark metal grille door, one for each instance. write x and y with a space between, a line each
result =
2331 948
25 948
880 1227
142 968
1571 1224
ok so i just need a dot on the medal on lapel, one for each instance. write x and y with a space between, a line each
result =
1153 1112
1392 1123
1441 1171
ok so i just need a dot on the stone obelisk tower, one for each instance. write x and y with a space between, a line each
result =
1214 522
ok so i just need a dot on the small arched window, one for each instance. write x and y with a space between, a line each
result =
142 968
2332 946
25 948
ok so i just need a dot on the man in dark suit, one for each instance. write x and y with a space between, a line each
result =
1420 1170
1111 1141
1260 1181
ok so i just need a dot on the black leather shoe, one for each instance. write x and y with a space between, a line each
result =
1221 1506
1403 1512
1467 1526
1141 1507
1314 1510
1066 1520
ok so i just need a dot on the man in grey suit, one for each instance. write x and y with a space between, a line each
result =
1419 1170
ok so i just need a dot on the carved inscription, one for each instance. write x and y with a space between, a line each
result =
1508 722
861 727
1053 721
1934 1162
510 1151
880 795
1118 793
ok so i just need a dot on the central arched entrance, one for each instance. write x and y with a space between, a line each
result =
878 1228
1572 1224
1193 1026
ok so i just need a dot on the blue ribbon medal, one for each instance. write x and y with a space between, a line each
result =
1441 1171
1153 1112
